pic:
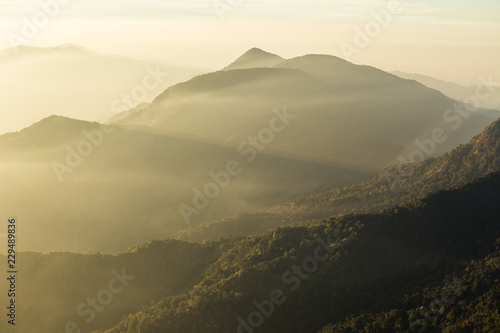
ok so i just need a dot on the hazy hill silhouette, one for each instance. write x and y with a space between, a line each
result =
379 268
108 191
394 185
350 114
72 81
454 90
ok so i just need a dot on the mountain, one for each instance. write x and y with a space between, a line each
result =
125 114
107 188
69 280
71 81
255 58
365 272
396 184
340 113
444 246
456 91
476 311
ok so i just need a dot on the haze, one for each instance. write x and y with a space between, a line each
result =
425 38
249 166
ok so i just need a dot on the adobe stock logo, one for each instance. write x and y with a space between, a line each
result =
249 148
48 9
363 36
75 155
293 279
85 147
223 6
151 81
455 117
92 306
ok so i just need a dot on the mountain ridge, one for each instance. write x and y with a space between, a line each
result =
392 186
378 261
135 178
455 90
77 83
334 100
255 58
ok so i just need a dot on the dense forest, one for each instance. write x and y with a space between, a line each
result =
470 303
150 272
356 273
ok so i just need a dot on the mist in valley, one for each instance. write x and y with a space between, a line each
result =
249 167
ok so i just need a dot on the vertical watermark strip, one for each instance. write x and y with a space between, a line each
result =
12 271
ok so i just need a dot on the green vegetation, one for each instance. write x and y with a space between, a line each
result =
390 262
53 285
382 267
476 309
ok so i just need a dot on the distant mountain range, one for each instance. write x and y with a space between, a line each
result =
457 91
75 82
319 223
308 125
345 113
134 179
396 184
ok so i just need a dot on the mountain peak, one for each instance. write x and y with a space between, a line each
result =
256 50
70 48
47 132
255 58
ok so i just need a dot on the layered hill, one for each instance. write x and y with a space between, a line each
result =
71 81
394 185
71 280
299 279
79 186
457 91
344 113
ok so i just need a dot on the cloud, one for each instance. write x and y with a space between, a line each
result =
110 8
325 11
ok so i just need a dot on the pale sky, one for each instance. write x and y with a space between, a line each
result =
455 40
